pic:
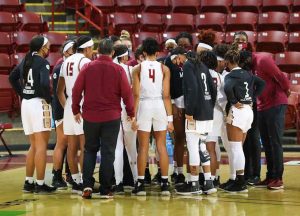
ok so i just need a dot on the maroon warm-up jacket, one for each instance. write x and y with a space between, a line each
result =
103 84
277 84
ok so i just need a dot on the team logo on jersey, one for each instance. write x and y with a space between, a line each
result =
54 76
48 67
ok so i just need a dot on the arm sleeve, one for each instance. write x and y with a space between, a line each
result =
189 88
259 85
126 93
228 88
213 87
14 79
77 92
45 81
267 66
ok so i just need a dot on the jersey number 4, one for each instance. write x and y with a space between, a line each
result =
152 74
70 68
30 78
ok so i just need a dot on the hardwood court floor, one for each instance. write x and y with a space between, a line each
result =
258 202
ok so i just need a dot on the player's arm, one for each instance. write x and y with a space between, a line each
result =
14 79
229 91
136 92
166 97
77 91
189 90
45 82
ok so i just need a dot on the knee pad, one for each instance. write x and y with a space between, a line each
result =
192 140
204 155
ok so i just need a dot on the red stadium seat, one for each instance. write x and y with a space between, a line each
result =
106 6
246 5
187 6
130 6
294 23
140 36
17 58
215 21
22 40
221 6
294 41
56 40
296 6
151 22
169 35
52 59
220 37
295 78
5 63
271 41
288 61
120 21
252 37
273 21
8 22
276 5
13 6
179 22
241 21
157 6
30 21
6 43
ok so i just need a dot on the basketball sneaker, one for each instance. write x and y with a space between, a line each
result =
157 178
87 193
174 177
264 183
208 187
28 187
69 180
217 182
180 180
58 181
239 185
139 189
253 181
226 184
43 189
118 189
105 194
189 188
147 180
276 184
77 188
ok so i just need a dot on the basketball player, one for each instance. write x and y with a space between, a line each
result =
151 87
240 87
30 79
73 130
58 114
126 137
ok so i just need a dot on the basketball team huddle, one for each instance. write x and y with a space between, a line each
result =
199 95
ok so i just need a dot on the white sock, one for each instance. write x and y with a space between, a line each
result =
207 176
29 179
238 156
232 176
76 177
188 177
40 182
180 170
194 178
213 177
141 177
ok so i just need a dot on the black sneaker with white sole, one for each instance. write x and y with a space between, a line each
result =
226 184
58 181
237 187
43 189
77 188
217 182
208 187
165 189
139 189
189 188
174 177
28 187
147 179
157 179
180 180
118 189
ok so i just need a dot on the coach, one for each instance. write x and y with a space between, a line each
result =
103 83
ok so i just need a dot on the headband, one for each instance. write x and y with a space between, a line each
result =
87 44
170 41
220 58
68 46
124 54
45 41
205 46
173 57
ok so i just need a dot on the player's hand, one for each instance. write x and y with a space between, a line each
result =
238 105
170 127
189 118
134 125
78 118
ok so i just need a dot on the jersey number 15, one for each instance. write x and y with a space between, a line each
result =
70 68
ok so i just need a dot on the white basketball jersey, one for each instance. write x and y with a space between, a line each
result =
128 71
151 78
70 70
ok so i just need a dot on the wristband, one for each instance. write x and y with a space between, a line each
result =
170 118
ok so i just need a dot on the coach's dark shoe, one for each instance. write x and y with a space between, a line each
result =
44 189
264 183
189 188
217 182
28 187
157 178
58 181
208 187
226 184
139 189
87 193
118 189
147 180
276 184
180 179
253 181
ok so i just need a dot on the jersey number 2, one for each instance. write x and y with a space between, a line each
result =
70 68
152 74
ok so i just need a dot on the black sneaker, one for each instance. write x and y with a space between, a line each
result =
157 179
28 188
217 182
139 189
165 189
180 180
189 188
118 189
58 181
69 180
226 184
208 187
253 181
174 177
237 187
43 189
201 179
77 188
87 193
147 180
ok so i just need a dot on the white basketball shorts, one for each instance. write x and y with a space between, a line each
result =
71 127
218 126
200 127
241 118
